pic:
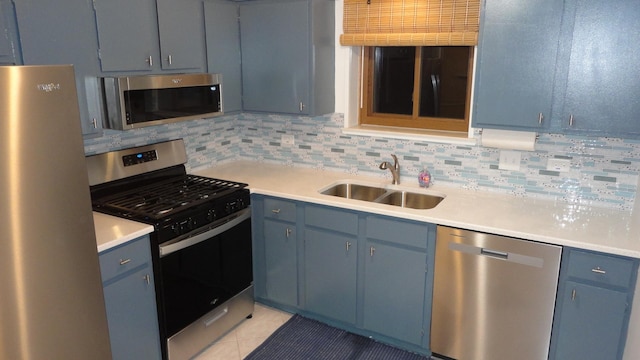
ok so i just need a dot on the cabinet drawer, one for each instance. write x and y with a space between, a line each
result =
400 232
279 209
601 268
331 219
124 258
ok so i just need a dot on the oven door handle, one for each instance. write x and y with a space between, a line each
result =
173 247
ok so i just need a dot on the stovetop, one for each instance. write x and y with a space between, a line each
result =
164 198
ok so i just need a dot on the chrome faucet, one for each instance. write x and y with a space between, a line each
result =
395 169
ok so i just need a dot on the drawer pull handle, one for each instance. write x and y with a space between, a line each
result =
125 261
276 211
288 232
147 279
597 270
348 244
573 295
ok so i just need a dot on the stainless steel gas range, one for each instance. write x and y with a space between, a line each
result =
201 245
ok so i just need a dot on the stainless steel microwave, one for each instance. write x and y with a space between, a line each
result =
137 101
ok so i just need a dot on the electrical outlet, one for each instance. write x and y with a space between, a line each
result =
288 140
509 160
560 165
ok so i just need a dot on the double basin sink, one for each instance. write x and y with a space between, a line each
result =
383 195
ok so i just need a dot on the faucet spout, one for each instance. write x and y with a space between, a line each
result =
395 169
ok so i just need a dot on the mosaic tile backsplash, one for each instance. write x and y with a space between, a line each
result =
604 171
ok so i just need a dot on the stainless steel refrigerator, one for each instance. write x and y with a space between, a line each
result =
51 301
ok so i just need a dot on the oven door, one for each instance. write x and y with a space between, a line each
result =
202 272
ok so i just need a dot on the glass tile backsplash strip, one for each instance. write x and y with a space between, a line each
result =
603 171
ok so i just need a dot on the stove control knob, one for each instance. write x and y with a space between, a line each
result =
211 215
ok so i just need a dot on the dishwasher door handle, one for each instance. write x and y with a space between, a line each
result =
499 255
494 253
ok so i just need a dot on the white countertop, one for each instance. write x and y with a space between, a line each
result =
555 222
112 231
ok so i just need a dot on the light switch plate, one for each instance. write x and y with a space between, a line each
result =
560 165
509 160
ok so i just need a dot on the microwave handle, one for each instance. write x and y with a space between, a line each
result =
190 241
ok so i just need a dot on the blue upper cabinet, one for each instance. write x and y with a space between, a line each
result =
516 64
9 46
288 56
563 66
598 92
145 35
222 31
181 28
63 33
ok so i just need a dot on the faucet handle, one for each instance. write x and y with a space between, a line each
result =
396 165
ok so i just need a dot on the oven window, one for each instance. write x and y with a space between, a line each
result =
197 279
158 104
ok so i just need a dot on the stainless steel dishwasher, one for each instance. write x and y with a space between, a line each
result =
493 296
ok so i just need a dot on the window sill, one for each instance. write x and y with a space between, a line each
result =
445 137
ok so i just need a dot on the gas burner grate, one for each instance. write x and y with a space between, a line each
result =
166 197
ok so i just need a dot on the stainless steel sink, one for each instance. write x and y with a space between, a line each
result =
382 195
355 191
411 200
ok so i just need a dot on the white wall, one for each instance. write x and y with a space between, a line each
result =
347 79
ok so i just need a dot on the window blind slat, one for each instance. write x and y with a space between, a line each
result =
411 22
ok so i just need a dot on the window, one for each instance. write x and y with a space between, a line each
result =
424 87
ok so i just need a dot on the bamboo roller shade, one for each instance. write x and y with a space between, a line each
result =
411 22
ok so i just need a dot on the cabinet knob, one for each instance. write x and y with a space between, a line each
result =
149 61
124 261
301 106
170 59
540 118
288 232
573 295
371 251
275 211
598 270
147 279
571 120
94 122
348 245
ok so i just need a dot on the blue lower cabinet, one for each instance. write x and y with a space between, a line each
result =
368 274
275 251
398 268
129 294
330 263
394 287
593 306
280 254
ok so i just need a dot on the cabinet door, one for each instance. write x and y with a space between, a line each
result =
591 323
281 262
276 54
181 29
602 83
7 32
516 64
127 34
330 274
223 50
46 39
394 291
132 316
